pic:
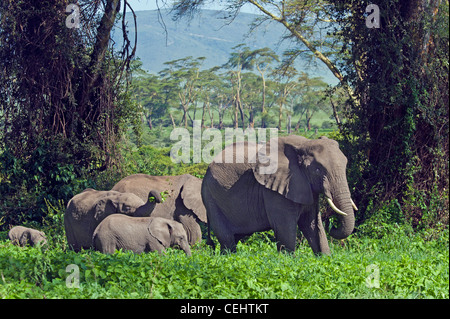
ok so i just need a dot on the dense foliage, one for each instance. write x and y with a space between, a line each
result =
397 128
63 100
252 90
409 266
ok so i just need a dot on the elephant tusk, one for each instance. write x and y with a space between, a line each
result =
337 210
354 205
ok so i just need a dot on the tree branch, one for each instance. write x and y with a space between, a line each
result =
308 44
101 45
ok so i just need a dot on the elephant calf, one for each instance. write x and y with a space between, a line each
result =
86 210
23 236
139 234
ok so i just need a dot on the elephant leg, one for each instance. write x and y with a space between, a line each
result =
285 234
283 216
310 224
104 243
221 227
193 230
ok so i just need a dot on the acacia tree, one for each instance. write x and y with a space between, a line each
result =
240 59
153 96
186 73
62 98
307 22
245 59
263 59
310 98
285 86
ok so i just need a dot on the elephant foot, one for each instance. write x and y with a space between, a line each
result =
210 243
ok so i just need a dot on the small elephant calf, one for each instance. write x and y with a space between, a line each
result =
139 234
23 236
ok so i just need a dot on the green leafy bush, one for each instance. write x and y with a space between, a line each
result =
26 184
408 267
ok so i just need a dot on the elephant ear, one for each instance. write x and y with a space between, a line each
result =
286 177
103 208
192 197
160 230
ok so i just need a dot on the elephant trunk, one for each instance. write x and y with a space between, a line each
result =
145 210
346 217
186 248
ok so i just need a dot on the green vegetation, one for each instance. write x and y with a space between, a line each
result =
410 266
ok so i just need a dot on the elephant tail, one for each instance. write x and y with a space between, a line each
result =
209 241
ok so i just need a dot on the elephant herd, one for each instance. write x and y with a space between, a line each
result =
145 213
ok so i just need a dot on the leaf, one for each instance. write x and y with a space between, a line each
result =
285 286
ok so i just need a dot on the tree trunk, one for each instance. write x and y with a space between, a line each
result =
203 115
149 121
98 53
185 117
211 115
263 106
235 121
251 119
335 114
221 119
280 115
288 125
173 121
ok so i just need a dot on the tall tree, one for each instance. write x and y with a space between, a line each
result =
286 84
185 72
240 59
263 59
400 76
63 98
311 97
245 59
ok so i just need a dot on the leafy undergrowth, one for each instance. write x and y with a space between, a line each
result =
399 265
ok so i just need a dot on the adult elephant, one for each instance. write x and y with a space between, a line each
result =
86 210
183 201
247 197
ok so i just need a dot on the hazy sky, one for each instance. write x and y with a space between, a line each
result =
139 5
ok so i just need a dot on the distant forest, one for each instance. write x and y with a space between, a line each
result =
253 89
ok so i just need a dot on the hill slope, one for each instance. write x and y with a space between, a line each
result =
206 35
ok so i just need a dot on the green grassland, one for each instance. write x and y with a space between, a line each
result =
159 136
406 265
